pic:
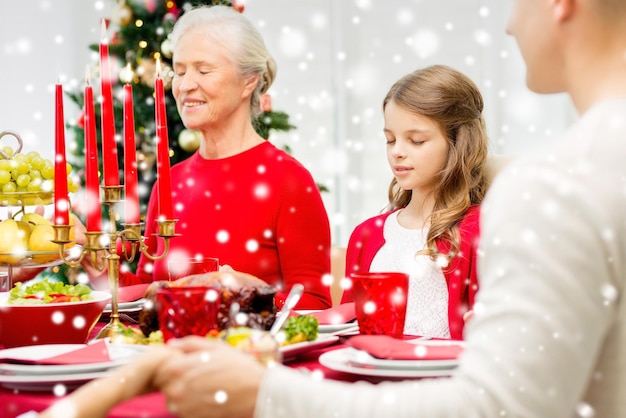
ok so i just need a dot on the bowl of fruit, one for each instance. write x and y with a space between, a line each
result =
49 312
27 240
27 179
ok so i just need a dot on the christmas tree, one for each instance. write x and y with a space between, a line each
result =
140 38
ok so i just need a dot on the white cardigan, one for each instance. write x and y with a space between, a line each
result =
548 338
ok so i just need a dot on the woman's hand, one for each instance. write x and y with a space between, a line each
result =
96 398
468 315
211 379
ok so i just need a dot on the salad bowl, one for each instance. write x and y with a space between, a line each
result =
49 323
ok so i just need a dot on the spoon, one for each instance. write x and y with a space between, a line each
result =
292 298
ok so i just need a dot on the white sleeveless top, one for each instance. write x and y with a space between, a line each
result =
427 306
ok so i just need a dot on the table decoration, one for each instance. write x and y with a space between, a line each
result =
164 184
109 147
61 199
92 195
130 160
102 246
386 347
380 302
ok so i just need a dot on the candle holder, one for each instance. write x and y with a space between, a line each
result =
103 256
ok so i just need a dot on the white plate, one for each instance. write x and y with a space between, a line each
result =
363 359
133 306
120 354
322 340
325 329
48 382
342 360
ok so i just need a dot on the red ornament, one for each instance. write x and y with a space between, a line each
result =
150 5
80 122
238 6
171 7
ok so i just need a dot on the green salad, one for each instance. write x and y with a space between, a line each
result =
47 291
300 328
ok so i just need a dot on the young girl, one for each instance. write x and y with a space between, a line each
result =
437 150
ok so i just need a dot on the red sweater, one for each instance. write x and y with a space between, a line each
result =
460 274
258 211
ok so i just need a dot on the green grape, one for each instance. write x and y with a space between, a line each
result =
48 172
5 164
14 174
8 150
37 163
21 189
20 158
5 176
35 185
22 180
10 187
35 174
31 155
22 166
68 168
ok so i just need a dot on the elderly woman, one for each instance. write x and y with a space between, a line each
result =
238 198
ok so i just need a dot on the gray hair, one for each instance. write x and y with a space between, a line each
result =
236 34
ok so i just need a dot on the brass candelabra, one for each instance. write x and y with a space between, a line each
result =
107 257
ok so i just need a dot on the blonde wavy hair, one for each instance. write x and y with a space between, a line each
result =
454 102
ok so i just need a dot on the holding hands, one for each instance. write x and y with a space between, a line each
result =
209 378
199 378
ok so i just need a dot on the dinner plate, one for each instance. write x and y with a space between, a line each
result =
119 353
328 328
322 340
48 382
325 329
342 360
362 359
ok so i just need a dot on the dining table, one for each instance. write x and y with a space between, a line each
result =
14 402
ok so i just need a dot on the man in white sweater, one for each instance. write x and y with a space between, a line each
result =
548 336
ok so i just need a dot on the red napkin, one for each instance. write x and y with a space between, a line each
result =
91 353
389 348
340 314
132 293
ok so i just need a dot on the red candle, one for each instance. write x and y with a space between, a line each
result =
109 148
92 204
61 200
130 154
164 191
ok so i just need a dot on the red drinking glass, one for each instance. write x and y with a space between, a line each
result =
380 302
186 311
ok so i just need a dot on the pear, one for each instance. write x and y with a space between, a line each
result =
41 241
14 242
35 219
25 229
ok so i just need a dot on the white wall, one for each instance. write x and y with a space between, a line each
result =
336 60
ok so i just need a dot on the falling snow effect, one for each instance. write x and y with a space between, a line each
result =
330 95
